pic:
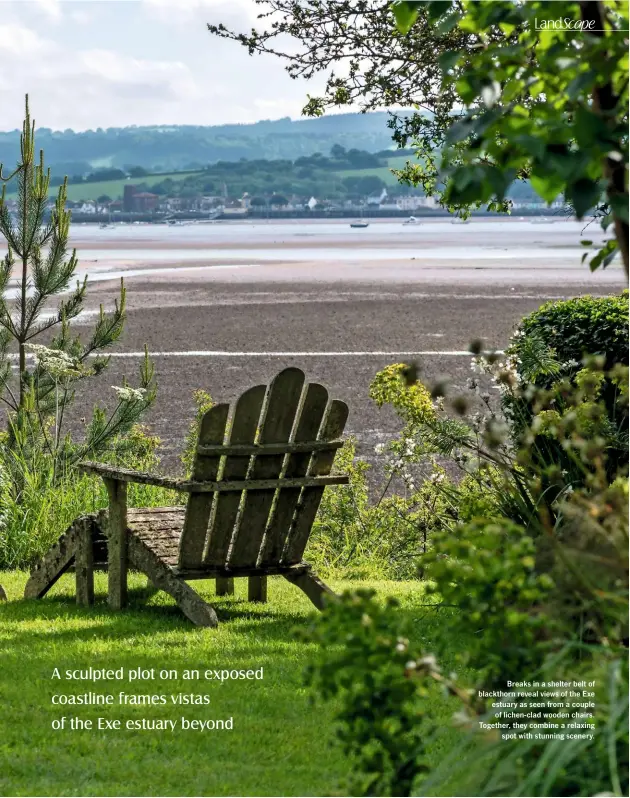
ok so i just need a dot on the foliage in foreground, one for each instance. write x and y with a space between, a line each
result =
537 575
40 489
545 601
48 500
544 101
551 343
573 328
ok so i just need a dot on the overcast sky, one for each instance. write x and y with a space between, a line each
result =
111 63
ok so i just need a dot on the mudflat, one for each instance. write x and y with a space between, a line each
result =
319 296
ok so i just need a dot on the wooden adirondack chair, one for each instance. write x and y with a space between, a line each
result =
256 485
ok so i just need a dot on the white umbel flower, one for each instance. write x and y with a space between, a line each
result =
129 394
57 363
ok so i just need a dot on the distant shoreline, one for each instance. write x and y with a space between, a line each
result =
307 216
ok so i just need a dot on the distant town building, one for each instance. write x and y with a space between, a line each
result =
85 207
412 203
210 203
128 194
377 199
138 201
234 208
145 201
537 205
389 206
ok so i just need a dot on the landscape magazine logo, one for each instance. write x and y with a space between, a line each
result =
569 24
565 23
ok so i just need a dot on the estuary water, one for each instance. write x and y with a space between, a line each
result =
294 250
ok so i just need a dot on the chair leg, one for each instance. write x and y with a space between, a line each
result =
225 586
3 595
84 566
257 588
56 561
117 543
188 600
313 587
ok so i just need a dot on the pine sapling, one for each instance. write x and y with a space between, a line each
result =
37 397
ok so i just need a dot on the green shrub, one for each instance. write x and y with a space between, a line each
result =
381 726
38 500
556 341
578 327
412 401
387 537
527 608
338 541
488 570
356 538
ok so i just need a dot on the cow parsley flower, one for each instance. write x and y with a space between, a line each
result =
57 363
129 394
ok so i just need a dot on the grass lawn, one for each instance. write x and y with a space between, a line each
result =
280 745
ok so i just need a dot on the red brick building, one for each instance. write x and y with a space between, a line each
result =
138 201
145 201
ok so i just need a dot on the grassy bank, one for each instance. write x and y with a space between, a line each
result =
280 744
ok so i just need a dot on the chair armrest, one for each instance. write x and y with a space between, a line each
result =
127 475
115 474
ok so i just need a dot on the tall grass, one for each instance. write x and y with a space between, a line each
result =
37 504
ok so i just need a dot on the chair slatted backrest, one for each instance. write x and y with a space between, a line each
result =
211 430
243 431
276 433
320 466
311 417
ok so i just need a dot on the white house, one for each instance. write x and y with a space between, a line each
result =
413 203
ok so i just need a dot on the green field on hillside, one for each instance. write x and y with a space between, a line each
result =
384 172
112 188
